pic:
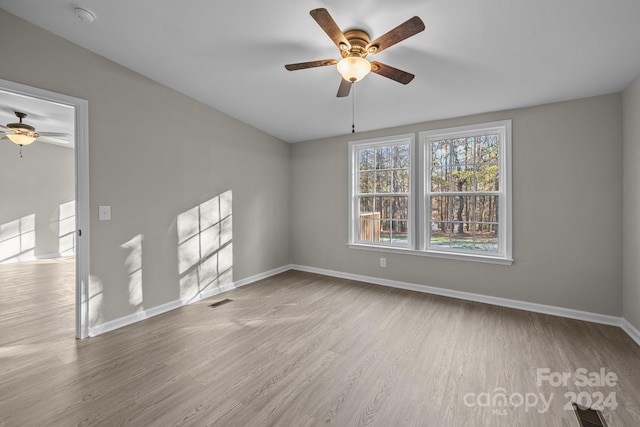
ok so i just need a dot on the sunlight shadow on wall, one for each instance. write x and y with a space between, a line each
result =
205 249
67 229
95 300
133 265
18 239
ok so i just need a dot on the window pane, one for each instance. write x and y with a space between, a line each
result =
486 209
488 177
441 208
464 223
487 148
369 227
440 153
463 209
462 150
440 180
383 158
385 231
487 237
383 206
461 241
440 234
463 177
400 181
367 182
366 158
400 207
383 182
401 156
399 233
366 205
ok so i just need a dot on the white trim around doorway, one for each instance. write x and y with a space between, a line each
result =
81 151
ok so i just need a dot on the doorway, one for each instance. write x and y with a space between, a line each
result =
79 236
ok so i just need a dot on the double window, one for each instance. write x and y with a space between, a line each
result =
452 199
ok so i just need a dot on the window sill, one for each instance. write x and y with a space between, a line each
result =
434 254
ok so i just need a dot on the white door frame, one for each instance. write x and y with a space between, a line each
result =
81 152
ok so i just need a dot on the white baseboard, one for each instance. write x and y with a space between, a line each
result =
631 330
260 276
627 327
172 305
49 256
129 319
503 302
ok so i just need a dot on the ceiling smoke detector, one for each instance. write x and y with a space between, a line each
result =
84 15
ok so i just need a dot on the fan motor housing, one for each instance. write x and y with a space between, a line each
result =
21 126
358 39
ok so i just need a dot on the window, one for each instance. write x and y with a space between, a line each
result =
381 192
467 190
458 188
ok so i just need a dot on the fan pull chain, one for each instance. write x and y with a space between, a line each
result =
353 108
20 151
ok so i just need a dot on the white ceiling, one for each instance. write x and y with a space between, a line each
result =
474 56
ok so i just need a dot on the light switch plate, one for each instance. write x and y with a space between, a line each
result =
104 213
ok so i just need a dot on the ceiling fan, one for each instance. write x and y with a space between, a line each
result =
354 47
24 134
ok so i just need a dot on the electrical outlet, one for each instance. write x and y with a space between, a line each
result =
383 262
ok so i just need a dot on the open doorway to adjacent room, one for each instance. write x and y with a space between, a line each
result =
43 217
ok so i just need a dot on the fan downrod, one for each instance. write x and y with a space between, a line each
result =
21 125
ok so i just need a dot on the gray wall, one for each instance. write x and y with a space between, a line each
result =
38 191
154 155
631 211
567 210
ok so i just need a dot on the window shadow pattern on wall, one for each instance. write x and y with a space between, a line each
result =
93 301
18 239
67 229
205 247
133 266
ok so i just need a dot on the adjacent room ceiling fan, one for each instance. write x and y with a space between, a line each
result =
24 134
354 47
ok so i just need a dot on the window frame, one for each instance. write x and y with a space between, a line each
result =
419 184
354 191
502 127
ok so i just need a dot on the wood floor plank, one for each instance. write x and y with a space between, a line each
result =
297 349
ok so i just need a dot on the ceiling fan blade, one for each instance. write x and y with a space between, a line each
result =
45 138
55 134
310 64
391 73
330 27
403 31
344 89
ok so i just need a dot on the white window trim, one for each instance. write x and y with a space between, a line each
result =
505 209
417 244
353 194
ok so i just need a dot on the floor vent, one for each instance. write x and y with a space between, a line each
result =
589 417
218 303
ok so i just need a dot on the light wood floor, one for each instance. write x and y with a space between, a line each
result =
296 349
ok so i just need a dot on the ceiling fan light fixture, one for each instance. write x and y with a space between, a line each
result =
353 68
21 138
21 133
